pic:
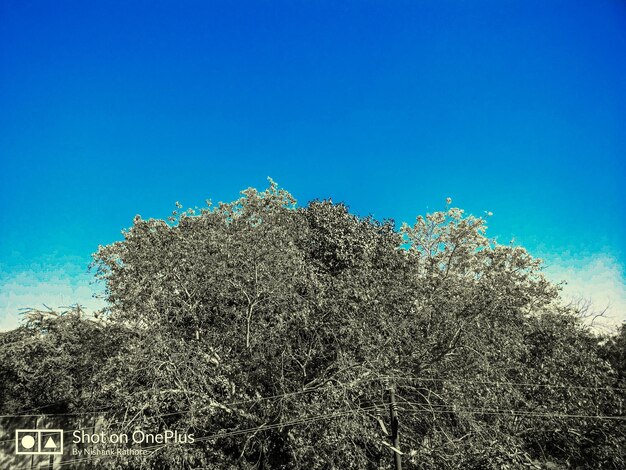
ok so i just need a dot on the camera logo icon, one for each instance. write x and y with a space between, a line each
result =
39 441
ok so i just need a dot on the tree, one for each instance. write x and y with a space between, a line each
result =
47 364
271 332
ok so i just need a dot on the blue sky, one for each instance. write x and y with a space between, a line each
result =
110 109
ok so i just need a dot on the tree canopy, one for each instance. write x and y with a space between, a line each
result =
273 332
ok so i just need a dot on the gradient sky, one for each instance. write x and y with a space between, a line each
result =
114 108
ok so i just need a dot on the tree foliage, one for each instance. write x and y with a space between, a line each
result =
272 332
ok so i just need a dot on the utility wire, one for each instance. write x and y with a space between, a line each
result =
37 415
447 409
251 400
499 383
271 397
284 395
221 435
403 378
440 409
514 413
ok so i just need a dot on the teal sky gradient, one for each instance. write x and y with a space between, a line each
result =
110 109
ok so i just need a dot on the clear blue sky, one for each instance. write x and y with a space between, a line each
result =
111 108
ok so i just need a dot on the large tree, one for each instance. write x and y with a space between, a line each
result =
273 331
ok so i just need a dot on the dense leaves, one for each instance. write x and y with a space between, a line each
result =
272 333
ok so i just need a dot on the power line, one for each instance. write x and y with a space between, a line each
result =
284 395
514 413
78 413
436 408
221 435
271 397
503 383
174 413
406 378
